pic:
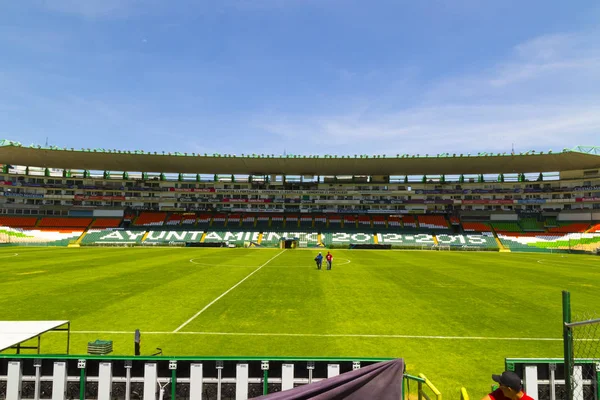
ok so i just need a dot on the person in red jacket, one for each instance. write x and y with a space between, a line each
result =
510 388
329 258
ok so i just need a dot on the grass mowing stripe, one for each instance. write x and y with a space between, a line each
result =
350 335
227 291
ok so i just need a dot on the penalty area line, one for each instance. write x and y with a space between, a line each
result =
224 293
331 335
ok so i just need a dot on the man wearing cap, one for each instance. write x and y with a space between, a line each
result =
510 388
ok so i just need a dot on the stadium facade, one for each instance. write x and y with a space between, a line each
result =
533 200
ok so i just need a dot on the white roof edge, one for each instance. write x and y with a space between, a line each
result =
14 332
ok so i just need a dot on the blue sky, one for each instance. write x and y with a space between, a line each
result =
301 76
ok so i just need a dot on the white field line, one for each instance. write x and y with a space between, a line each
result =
224 293
332 335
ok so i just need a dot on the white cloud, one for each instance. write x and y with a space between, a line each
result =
545 95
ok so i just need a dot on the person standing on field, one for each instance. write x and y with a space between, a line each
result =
319 260
329 259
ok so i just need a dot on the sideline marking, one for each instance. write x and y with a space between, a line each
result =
224 293
330 335
31 273
11 255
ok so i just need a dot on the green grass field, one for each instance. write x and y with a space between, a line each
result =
453 316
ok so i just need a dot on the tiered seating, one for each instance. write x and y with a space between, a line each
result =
233 237
506 227
291 222
33 236
550 222
262 221
99 236
277 222
306 221
394 222
349 222
409 221
570 227
406 240
476 227
150 219
432 222
320 221
595 228
106 223
204 221
271 239
174 219
173 236
58 222
347 238
364 222
379 222
128 217
188 219
248 221
233 221
573 241
218 221
454 220
335 222
18 222
532 225
485 240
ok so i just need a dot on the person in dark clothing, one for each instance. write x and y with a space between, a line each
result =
137 340
510 388
319 260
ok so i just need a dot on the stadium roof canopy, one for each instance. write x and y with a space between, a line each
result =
579 158
13 333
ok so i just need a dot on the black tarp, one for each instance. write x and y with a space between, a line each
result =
380 381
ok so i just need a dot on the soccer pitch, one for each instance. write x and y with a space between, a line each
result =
453 316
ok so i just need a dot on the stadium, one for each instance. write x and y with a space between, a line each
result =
454 263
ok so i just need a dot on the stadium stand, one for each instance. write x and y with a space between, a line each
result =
188 219
350 222
335 222
417 240
150 219
218 221
343 238
233 221
570 227
106 223
454 220
557 241
37 236
291 222
173 236
379 222
476 227
506 226
174 219
320 222
364 222
531 225
57 222
435 222
409 221
262 221
118 237
306 221
277 222
18 222
594 228
204 221
394 222
484 241
248 221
